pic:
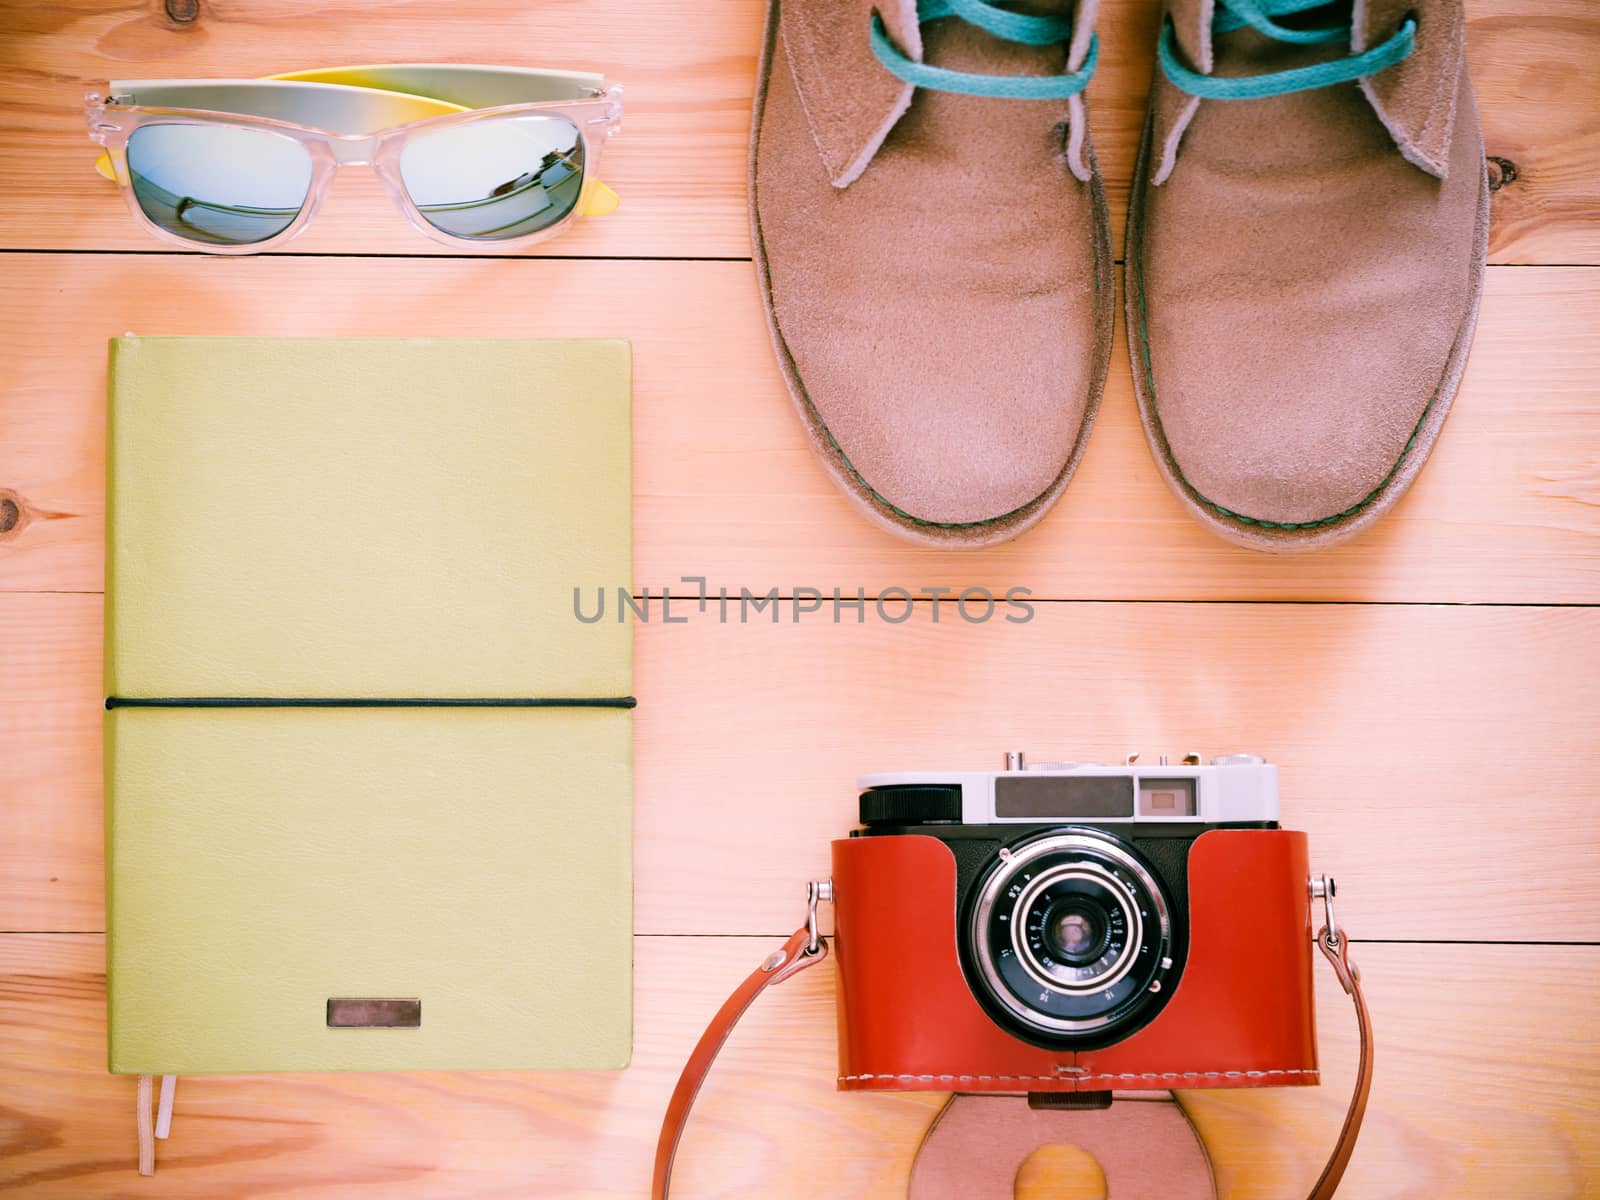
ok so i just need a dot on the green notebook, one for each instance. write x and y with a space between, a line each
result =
368 779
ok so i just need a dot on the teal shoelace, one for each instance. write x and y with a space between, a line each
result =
1002 23
1258 15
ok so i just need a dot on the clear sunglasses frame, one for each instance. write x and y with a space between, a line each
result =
111 124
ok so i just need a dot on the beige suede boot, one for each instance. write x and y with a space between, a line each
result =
935 263
1305 256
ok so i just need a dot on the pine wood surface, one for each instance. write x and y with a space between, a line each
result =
1508 510
689 73
1431 689
1434 753
1468 1102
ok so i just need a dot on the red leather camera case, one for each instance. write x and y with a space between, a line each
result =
1241 1016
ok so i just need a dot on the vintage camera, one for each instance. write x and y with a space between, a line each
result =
1074 927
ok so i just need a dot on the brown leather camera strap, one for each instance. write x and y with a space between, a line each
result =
797 954
1335 947
805 949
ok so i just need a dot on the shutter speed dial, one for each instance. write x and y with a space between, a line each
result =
911 804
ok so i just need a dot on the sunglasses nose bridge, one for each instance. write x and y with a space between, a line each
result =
354 150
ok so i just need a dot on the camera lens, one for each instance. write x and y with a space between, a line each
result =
1076 931
1075 923
1065 934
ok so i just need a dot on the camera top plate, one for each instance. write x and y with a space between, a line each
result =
1231 789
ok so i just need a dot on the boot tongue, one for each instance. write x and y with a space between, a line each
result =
1191 25
1415 99
851 103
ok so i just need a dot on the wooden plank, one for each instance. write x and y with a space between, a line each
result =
51 822
726 484
1426 751
1467 1102
1541 126
689 70
1436 755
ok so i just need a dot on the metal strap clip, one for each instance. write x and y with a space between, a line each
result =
818 891
1323 888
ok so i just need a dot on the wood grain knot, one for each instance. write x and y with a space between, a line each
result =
11 514
1501 171
183 12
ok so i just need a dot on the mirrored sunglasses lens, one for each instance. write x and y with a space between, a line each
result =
497 179
218 184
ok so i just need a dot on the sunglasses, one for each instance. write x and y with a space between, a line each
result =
482 156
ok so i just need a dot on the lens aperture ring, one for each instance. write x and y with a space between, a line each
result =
1112 915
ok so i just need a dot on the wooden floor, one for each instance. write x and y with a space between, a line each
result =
1432 689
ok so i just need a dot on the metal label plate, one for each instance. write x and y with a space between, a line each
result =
360 1012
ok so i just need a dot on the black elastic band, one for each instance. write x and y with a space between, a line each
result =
368 702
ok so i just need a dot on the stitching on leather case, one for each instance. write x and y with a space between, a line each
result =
1272 1073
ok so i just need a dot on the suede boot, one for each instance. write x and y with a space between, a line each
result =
1305 257
935 263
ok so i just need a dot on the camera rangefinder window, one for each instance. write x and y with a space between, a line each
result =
1063 797
1167 798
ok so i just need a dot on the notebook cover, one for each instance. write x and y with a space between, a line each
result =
365 519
